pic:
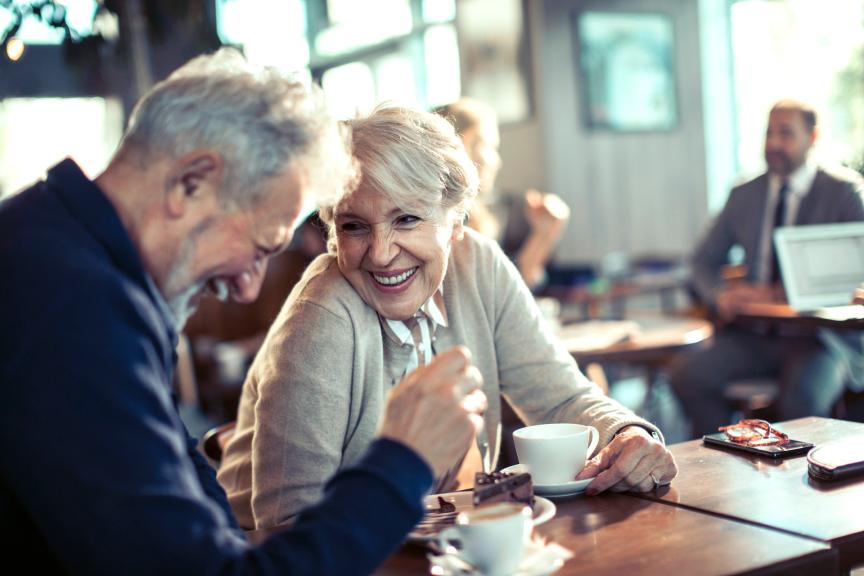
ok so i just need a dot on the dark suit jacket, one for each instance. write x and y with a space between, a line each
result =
834 197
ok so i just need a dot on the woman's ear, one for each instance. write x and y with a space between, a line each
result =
458 231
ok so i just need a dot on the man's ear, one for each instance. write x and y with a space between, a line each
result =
814 135
194 177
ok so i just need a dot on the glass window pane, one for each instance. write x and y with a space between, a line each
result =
395 79
794 49
78 15
439 10
349 89
357 24
271 32
443 84
492 35
89 132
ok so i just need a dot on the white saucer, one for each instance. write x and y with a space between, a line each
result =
428 528
562 490
540 559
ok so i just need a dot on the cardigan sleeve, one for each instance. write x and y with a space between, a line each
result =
536 372
303 381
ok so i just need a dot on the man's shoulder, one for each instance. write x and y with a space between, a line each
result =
759 182
838 178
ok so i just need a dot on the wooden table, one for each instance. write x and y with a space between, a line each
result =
841 318
620 534
658 338
779 495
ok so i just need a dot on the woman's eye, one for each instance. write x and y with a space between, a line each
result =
352 228
407 221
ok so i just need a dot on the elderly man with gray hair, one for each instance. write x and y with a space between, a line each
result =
99 475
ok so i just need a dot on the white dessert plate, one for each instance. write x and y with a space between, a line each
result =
434 521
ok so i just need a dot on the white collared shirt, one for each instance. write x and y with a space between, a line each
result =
428 318
799 183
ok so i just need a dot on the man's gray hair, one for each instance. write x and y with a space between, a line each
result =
261 121
413 157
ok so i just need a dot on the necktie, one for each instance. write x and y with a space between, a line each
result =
779 221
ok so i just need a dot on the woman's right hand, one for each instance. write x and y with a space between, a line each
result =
437 409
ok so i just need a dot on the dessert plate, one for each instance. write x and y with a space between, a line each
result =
436 520
562 490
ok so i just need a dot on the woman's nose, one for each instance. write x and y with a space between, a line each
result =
383 248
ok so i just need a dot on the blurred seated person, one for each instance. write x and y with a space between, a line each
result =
794 191
404 282
99 475
546 214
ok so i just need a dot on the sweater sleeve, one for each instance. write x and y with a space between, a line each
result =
97 459
303 381
536 372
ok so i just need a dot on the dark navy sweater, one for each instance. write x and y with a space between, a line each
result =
98 475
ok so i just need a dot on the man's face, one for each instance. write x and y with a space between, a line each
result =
787 141
226 254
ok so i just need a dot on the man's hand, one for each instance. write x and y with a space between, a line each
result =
735 296
858 297
437 409
629 462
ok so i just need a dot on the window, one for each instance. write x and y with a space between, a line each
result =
90 132
361 52
803 50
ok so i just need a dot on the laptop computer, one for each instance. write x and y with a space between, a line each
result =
821 265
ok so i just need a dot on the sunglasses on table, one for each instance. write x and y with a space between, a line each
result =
755 433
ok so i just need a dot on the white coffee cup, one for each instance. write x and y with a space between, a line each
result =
491 538
555 453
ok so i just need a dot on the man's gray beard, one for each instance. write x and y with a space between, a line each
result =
181 305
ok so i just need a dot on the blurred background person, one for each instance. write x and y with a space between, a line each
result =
546 214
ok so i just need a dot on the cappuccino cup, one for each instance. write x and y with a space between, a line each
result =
555 453
490 538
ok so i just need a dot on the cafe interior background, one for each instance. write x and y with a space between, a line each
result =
640 114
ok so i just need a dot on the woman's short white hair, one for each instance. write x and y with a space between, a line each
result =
261 121
413 157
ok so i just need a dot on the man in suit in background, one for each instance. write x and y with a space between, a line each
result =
794 191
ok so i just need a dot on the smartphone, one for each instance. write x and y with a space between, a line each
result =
792 448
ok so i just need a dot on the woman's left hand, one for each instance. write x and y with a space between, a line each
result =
633 461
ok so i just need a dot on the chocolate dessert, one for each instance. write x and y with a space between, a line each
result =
503 487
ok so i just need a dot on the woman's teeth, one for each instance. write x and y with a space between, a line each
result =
393 280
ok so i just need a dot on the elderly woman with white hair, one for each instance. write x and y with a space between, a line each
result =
404 279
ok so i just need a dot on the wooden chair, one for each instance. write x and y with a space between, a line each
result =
214 441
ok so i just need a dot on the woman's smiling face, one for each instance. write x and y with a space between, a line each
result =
394 259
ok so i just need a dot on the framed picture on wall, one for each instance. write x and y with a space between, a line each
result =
626 70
